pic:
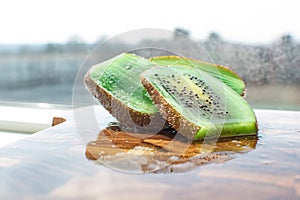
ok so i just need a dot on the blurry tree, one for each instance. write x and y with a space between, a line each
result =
179 32
214 36
53 48
286 39
182 31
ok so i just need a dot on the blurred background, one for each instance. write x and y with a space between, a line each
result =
44 43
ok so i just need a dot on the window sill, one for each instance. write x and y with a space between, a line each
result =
23 119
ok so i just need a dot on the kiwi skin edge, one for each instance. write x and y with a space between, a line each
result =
124 114
181 124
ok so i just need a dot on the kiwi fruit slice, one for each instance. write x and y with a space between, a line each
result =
116 84
197 104
226 75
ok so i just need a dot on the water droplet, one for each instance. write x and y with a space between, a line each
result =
128 67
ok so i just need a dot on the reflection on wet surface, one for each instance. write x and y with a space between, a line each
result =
165 151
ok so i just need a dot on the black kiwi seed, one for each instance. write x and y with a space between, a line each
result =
193 100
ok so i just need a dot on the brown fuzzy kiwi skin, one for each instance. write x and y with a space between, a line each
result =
125 115
173 117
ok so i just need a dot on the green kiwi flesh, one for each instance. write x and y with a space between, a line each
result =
197 104
220 72
116 84
120 77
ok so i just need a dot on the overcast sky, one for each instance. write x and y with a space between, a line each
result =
255 21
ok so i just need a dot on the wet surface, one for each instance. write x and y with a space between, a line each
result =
162 152
53 164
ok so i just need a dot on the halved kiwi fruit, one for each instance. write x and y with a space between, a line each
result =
225 74
116 84
197 104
